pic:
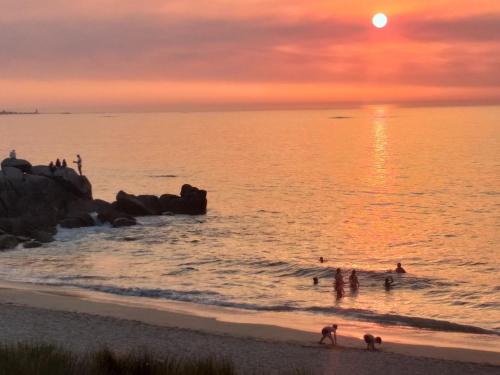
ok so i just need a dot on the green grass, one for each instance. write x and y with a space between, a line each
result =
45 359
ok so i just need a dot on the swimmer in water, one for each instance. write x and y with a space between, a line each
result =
388 282
315 280
353 281
327 332
400 269
321 259
371 341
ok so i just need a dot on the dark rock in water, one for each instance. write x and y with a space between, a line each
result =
42 236
23 165
132 205
25 225
124 222
12 173
192 201
77 220
152 202
32 244
8 241
111 214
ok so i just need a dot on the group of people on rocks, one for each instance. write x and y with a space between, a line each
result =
63 164
353 280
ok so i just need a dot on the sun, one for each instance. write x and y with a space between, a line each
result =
379 20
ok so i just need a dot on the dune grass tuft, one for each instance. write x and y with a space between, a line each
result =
46 359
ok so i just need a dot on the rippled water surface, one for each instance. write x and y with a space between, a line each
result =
363 188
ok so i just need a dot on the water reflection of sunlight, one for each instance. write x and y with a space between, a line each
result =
380 144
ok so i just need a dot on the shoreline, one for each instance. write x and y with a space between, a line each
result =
232 323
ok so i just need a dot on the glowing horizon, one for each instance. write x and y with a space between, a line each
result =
121 55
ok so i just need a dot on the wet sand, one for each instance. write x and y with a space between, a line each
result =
70 319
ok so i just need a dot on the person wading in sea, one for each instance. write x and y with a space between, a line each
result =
353 281
339 283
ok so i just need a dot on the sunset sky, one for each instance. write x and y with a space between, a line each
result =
225 54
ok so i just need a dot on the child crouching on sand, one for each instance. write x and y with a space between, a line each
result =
327 332
371 340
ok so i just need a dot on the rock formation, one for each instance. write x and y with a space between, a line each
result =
35 199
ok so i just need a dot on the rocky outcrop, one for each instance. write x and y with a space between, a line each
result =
35 199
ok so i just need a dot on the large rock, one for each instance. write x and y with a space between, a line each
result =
77 220
68 179
109 215
42 236
8 242
132 205
193 201
23 165
152 202
124 222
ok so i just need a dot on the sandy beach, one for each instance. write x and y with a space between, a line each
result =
65 317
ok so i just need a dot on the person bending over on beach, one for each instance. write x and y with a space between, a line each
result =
400 269
371 340
327 332
339 283
353 280
388 282
78 163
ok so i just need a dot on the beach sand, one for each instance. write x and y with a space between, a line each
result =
72 320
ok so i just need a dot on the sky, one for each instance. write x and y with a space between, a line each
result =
129 55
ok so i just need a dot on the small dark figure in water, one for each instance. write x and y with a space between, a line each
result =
339 283
64 164
371 341
327 332
78 163
388 282
52 167
315 280
321 259
353 280
400 269
58 163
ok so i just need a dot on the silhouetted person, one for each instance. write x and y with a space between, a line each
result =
315 280
52 167
388 282
321 260
339 283
371 341
327 332
58 163
400 269
64 164
78 163
12 154
353 281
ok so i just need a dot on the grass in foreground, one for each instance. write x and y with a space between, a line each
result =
45 359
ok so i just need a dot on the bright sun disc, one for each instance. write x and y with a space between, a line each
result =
379 20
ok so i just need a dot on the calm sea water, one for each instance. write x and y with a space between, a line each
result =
363 188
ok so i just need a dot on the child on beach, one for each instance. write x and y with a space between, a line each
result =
327 332
371 340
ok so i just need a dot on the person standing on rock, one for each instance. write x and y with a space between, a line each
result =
64 164
12 154
58 163
78 163
52 167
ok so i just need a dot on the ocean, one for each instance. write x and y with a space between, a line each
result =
363 188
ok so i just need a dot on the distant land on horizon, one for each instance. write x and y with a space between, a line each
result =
4 112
